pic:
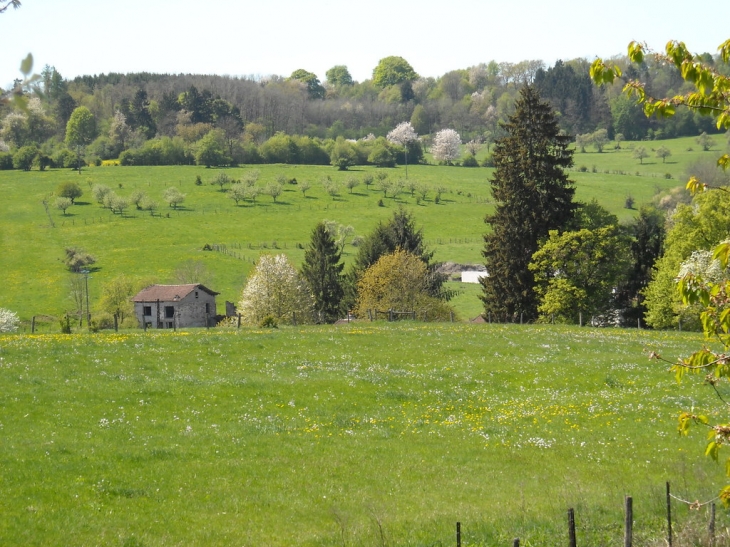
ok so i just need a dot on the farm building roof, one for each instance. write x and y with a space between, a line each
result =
169 293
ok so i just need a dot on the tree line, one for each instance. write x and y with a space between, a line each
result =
154 119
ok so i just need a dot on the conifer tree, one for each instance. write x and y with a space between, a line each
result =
323 271
532 195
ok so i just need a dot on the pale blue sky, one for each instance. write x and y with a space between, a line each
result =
243 37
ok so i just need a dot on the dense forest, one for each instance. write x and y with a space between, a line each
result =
150 119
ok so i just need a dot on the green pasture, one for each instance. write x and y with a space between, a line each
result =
362 434
150 247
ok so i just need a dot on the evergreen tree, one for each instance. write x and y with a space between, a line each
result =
322 269
533 195
399 232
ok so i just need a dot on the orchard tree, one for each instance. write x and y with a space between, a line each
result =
446 146
276 289
663 152
80 132
705 141
403 135
76 259
600 139
62 204
640 153
173 197
238 192
393 71
533 195
322 270
70 190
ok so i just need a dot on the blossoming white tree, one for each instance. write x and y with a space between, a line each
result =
403 134
446 145
276 289
8 320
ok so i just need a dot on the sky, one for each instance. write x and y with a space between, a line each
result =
264 37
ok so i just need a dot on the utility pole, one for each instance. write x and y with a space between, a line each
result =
88 310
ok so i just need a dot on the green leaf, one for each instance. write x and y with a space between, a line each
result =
636 52
722 253
724 161
26 66
712 450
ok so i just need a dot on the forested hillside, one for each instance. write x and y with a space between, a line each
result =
219 120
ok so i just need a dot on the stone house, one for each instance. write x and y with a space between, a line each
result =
175 306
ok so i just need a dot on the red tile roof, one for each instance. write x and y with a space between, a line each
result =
169 293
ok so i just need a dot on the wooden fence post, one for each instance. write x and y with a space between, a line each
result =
32 325
458 534
669 516
452 316
239 321
294 318
571 528
711 528
628 522
116 323
520 318
580 318
516 542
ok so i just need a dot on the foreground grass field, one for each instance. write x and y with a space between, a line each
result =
365 434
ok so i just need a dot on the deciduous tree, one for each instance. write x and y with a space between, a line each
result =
80 131
393 71
70 190
446 146
276 289
399 281
9 321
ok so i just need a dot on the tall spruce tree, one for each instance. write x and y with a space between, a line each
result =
323 271
533 195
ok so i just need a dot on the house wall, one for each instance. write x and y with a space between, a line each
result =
471 276
188 312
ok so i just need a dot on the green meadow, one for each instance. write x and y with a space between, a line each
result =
364 434
150 247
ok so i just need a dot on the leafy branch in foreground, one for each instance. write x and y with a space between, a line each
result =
711 94
709 286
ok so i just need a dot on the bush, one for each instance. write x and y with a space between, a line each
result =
269 322
488 161
102 320
583 169
65 324
629 203
6 161
470 161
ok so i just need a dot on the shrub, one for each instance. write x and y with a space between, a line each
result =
102 320
269 322
6 161
65 324
470 161
629 203
582 169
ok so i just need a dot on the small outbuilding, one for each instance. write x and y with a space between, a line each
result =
175 306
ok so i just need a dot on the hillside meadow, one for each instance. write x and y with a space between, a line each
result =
149 247
364 434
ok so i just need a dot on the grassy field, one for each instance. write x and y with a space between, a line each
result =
365 434
150 247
